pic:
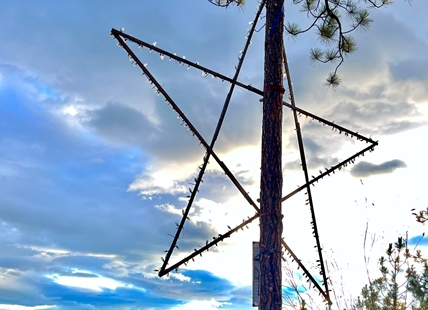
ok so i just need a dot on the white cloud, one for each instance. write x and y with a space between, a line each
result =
166 180
114 264
180 277
166 207
211 304
12 279
70 110
86 280
119 268
19 307
221 215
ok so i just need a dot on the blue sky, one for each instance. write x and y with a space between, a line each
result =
94 167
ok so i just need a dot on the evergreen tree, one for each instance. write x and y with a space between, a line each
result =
403 284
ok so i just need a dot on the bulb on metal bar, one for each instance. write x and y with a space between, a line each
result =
122 29
140 46
204 74
161 56
154 43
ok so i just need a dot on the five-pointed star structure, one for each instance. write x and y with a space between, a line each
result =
121 37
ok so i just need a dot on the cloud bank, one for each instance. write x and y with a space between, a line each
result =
365 169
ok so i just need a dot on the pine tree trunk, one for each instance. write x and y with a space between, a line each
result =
271 168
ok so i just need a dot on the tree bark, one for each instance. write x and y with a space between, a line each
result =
271 167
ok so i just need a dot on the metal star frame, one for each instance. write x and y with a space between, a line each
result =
121 37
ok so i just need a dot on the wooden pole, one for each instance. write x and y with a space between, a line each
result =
271 166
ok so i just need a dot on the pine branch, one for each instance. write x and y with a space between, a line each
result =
329 19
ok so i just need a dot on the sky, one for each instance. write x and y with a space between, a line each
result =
95 168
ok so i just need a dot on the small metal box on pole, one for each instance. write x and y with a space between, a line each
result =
256 273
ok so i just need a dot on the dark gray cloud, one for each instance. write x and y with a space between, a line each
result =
121 124
80 57
410 69
85 63
376 117
166 140
319 142
218 187
364 65
312 163
399 126
366 169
